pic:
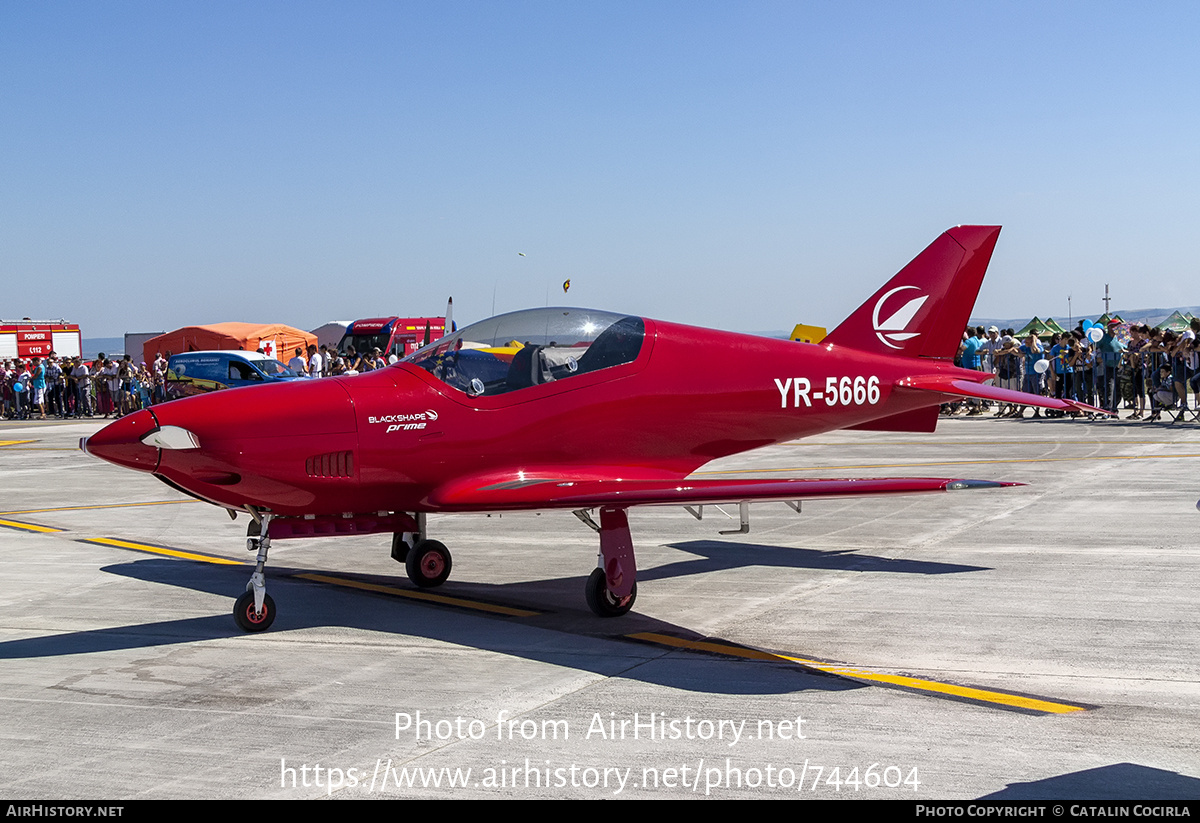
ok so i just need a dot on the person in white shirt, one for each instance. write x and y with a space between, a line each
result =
298 364
83 394
316 365
111 374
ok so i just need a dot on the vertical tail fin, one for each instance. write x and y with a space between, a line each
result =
922 311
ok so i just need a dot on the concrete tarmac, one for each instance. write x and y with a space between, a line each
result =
1037 642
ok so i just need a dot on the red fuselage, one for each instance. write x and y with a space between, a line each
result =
389 439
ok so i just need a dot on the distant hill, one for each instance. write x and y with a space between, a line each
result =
92 346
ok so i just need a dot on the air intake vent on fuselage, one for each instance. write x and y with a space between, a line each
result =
333 464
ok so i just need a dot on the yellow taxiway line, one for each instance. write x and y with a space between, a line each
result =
163 550
995 698
29 527
99 506
428 597
987 696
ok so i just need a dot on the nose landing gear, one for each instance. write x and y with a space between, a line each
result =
254 611
249 617
427 561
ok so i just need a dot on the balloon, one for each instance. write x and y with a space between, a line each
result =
1041 366
1087 324
1095 333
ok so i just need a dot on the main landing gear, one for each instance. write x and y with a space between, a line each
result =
427 562
611 588
600 598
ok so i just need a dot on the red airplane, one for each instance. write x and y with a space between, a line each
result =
560 408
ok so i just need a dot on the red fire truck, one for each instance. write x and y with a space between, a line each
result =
392 335
37 338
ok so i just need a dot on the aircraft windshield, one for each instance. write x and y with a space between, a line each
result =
527 348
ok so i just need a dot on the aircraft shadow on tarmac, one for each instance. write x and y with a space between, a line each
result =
1120 781
564 637
719 555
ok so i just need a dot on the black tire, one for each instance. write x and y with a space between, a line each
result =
248 619
428 564
399 548
601 601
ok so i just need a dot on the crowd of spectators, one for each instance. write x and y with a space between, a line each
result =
38 388
327 361
1146 371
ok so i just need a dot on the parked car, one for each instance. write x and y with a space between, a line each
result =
197 372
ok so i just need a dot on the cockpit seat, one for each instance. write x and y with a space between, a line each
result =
527 369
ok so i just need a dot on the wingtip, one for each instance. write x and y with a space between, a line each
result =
959 485
1088 409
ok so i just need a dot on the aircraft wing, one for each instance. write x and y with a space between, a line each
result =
544 491
957 387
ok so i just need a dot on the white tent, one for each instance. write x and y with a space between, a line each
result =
331 333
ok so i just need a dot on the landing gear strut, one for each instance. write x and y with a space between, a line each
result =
402 542
254 611
428 560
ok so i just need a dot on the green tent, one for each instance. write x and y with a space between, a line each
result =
1176 323
1034 326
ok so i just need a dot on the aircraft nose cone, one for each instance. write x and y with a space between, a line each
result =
120 442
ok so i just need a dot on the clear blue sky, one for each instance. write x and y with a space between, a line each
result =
746 165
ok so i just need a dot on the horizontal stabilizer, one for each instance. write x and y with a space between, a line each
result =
957 387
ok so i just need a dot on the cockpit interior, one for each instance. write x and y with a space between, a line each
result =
515 351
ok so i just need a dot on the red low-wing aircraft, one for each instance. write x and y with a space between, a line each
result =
560 408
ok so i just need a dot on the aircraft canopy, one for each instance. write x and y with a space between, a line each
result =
526 348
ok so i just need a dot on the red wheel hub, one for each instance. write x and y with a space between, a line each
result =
433 564
253 616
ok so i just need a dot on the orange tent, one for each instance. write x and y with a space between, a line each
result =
277 340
